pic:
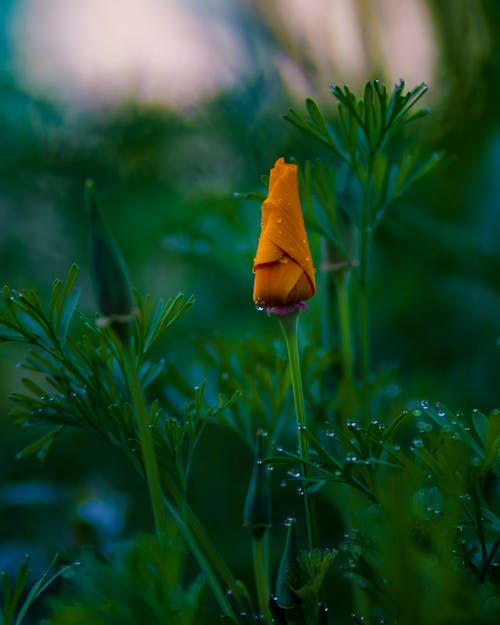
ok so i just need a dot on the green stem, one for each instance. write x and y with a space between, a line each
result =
365 354
203 563
289 324
364 307
345 325
213 563
261 570
147 445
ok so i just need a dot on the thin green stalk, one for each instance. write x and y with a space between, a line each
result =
212 557
203 563
261 570
342 282
363 303
289 324
365 353
147 445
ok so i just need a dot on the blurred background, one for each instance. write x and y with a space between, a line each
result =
172 107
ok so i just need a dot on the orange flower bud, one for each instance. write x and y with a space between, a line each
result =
284 272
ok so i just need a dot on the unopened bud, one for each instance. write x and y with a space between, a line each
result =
288 568
257 512
109 272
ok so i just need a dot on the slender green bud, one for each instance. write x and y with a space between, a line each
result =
109 274
285 596
257 512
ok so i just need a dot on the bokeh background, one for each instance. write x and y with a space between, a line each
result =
174 106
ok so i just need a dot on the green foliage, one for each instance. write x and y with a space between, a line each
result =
414 486
15 600
258 377
91 383
82 383
360 140
312 569
139 583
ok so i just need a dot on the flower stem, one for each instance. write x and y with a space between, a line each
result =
203 563
345 325
365 354
212 563
158 503
261 570
289 325
363 309
147 445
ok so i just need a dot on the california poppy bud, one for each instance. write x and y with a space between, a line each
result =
283 267
288 568
257 513
109 273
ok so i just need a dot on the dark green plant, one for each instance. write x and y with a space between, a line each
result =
139 583
89 383
414 484
17 599
346 199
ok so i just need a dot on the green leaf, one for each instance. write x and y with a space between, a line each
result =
41 446
481 424
370 117
41 585
164 316
322 133
22 576
55 301
316 115
7 604
33 387
492 439
65 302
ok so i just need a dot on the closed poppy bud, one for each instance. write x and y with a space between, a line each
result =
109 273
284 272
288 568
257 513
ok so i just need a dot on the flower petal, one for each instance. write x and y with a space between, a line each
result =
284 272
